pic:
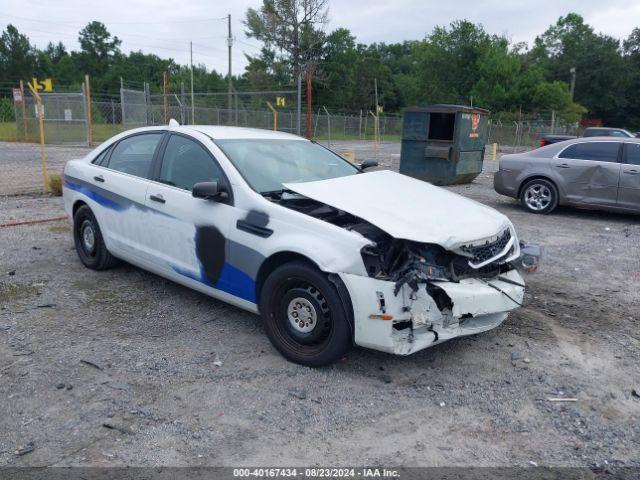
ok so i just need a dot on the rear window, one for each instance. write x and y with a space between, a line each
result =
633 153
596 151
133 155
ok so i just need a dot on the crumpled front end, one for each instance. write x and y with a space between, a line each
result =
411 320
417 295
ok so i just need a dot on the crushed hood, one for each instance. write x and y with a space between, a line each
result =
407 208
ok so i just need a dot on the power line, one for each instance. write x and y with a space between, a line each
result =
49 22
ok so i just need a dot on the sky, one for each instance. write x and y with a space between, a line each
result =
143 25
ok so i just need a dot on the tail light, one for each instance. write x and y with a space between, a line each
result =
543 142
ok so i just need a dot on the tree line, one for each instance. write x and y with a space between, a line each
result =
458 63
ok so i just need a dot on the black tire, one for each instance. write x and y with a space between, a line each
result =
96 257
539 196
328 337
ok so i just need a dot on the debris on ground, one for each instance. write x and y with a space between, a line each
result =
28 448
635 392
117 428
91 364
299 394
117 385
60 386
561 399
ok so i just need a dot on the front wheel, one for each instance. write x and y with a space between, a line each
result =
304 316
539 196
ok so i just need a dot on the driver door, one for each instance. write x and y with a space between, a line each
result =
188 235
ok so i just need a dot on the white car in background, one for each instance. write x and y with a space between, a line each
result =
329 255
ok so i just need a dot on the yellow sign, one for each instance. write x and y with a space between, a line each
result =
380 109
45 85
280 102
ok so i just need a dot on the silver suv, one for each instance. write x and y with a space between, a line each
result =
597 172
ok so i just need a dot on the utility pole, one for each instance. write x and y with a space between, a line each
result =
230 45
193 111
309 76
572 71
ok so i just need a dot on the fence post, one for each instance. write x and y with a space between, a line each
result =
122 117
165 100
328 127
24 112
45 174
275 116
87 98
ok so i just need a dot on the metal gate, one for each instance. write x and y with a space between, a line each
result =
134 105
64 118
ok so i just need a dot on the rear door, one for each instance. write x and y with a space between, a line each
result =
589 172
629 191
120 182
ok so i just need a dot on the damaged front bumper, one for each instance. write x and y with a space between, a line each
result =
414 320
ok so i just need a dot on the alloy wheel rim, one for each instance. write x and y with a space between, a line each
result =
537 197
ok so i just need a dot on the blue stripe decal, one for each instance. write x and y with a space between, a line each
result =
94 195
232 281
237 283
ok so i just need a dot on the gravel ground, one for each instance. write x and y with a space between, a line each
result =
125 368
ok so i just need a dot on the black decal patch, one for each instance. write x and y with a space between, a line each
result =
255 222
210 250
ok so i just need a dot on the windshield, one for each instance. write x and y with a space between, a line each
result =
267 164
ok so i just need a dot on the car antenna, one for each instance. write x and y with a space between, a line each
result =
173 123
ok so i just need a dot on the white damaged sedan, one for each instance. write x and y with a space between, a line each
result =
328 255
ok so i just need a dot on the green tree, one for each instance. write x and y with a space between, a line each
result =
17 56
599 86
97 50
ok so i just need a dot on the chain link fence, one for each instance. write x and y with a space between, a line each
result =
67 123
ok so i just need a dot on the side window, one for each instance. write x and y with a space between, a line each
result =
618 133
633 153
101 159
597 151
186 163
133 155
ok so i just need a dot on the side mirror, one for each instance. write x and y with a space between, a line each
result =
368 164
210 191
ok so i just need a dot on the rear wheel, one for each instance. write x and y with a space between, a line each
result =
539 196
89 243
304 316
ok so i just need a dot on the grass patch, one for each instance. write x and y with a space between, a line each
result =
8 132
55 184
15 291
60 228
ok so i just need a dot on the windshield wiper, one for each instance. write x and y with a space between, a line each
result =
276 193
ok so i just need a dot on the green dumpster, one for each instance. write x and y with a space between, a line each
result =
443 144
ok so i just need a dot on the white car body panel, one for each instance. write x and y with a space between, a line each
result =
163 238
407 208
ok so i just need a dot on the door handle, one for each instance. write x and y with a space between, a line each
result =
633 171
99 178
157 198
563 165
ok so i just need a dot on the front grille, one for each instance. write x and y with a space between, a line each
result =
482 253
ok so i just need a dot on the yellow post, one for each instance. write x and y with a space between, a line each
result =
45 174
88 99
24 112
375 134
275 116
494 152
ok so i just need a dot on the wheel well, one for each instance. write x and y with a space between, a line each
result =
273 262
76 206
280 258
536 177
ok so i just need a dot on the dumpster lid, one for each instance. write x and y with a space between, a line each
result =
447 108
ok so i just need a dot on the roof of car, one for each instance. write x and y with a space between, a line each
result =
228 133
603 139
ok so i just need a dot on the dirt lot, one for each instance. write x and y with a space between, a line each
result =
124 367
